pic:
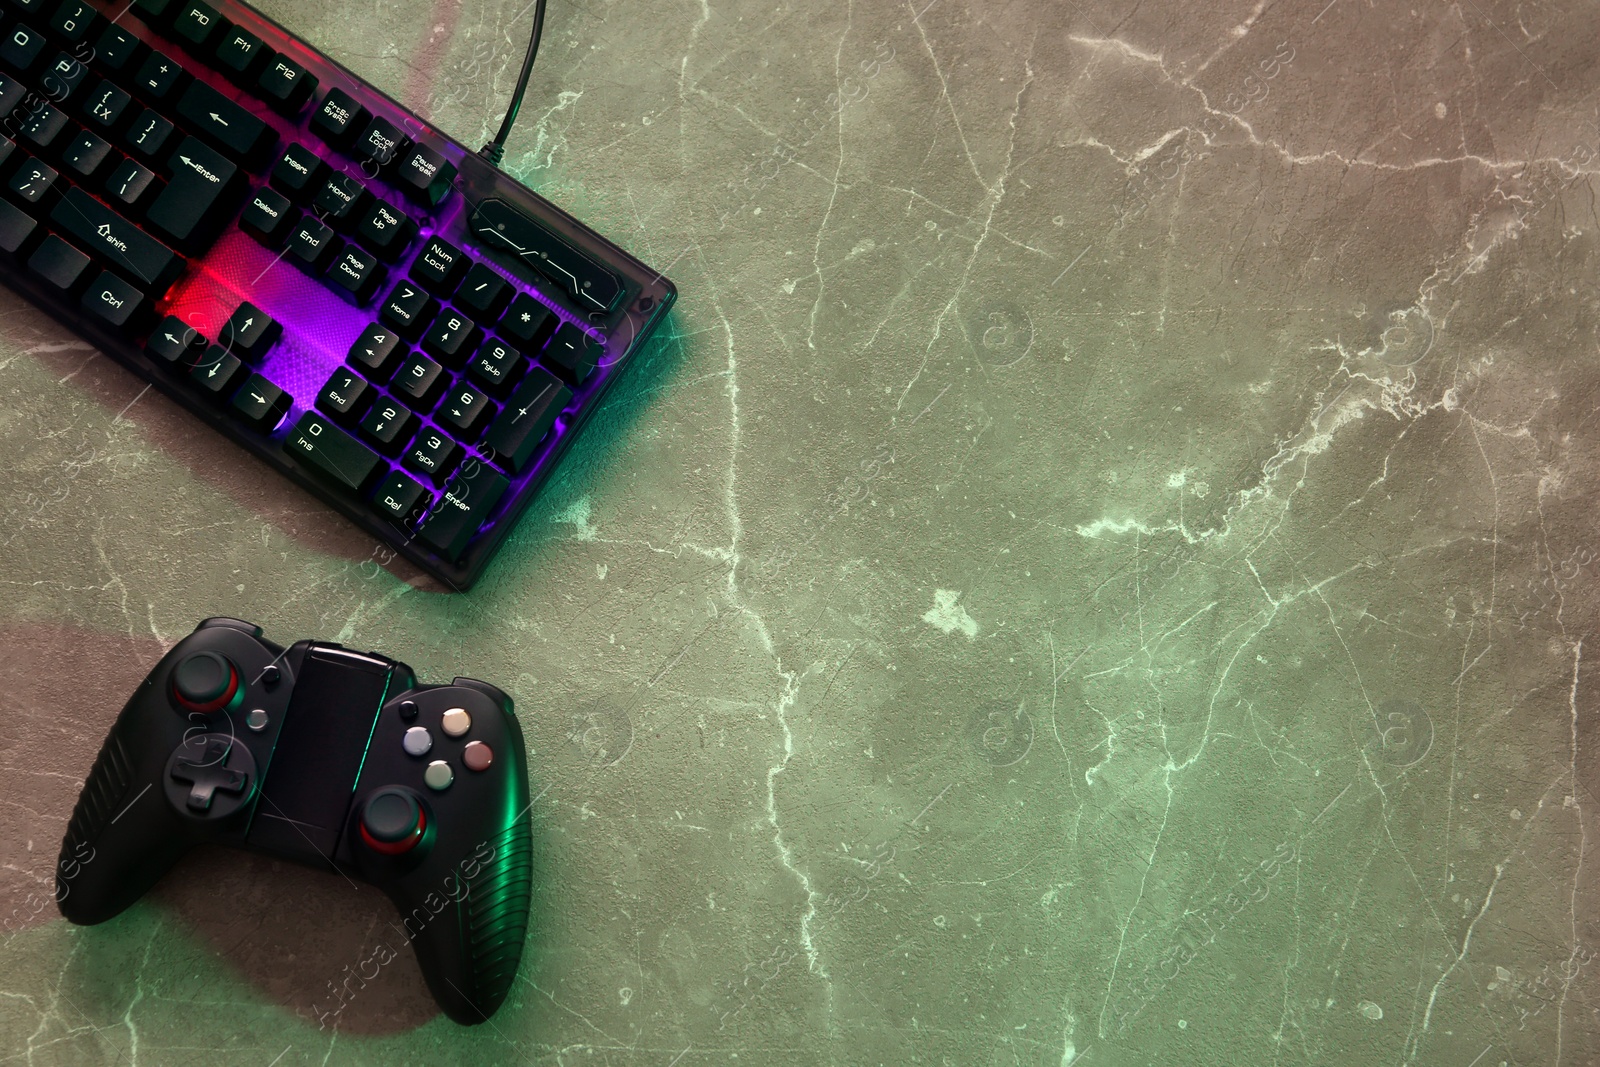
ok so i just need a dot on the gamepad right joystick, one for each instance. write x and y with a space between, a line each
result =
393 821
345 763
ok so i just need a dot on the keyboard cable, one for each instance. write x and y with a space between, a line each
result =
495 149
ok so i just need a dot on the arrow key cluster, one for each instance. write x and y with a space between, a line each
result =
217 370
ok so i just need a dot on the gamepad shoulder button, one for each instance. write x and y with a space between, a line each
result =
204 682
234 624
456 722
392 821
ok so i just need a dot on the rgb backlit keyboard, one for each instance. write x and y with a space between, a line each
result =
367 305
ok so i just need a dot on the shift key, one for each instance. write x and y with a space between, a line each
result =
116 240
469 496
333 453
200 197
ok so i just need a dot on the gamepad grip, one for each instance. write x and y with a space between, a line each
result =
332 758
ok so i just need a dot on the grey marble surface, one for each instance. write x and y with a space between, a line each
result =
1099 568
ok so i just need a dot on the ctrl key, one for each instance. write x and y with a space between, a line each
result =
259 404
112 300
332 453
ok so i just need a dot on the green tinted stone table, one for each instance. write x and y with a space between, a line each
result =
1099 569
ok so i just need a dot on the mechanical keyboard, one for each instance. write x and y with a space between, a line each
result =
368 306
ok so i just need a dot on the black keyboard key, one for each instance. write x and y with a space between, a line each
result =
469 497
499 225
33 181
268 217
21 48
339 118
16 228
158 77
117 50
156 12
149 134
85 154
74 20
432 454
129 181
197 23
418 381
298 173
572 352
409 309
44 126
398 497
344 397
218 372
451 337
527 323
463 412
380 142
331 452
389 425
112 300
286 85
425 175
495 367
59 263
62 78
482 293
240 54
312 243
357 272
340 201
386 230
526 419
117 240
12 93
7 146
259 404
199 197
439 266
249 332
227 125
376 351
174 343
105 107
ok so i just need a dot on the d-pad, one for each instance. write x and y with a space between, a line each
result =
208 772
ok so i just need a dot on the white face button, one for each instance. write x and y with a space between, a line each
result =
456 722
417 741
438 776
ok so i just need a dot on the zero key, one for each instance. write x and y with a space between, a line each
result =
332 453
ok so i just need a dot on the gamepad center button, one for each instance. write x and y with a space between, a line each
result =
392 821
207 772
205 682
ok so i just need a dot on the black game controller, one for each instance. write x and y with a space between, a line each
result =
333 758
